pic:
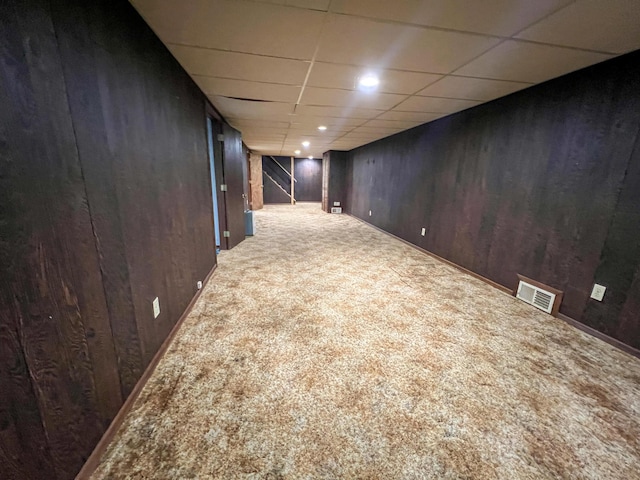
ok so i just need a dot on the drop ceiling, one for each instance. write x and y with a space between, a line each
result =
277 69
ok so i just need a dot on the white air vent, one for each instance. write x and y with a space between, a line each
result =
336 209
536 296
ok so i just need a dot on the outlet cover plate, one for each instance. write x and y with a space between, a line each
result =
423 231
598 292
156 307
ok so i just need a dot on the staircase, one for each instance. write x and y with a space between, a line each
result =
277 174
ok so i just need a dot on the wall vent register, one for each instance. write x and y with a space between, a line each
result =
539 295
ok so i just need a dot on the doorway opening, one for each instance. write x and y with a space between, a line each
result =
214 183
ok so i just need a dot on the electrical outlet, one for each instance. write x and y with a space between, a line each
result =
156 307
199 284
369 212
598 292
423 231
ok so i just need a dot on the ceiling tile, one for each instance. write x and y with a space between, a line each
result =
378 130
605 25
242 66
409 116
397 124
472 88
350 98
371 43
243 89
332 75
321 5
330 122
495 17
235 25
258 110
529 62
435 104
249 123
341 112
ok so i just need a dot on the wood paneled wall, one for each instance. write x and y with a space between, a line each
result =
271 192
234 178
543 182
308 173
255 180
105 203
335 163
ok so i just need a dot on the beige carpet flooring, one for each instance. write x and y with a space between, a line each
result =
322 348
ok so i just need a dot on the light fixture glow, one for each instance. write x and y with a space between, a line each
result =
310 157
369 81
322 128
306 143
297 152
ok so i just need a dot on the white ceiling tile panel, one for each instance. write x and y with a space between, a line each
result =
435 105
350 98
371 43
529 62
340 112
241 66
251 90
258 110
494 17
392 123
321 5
471 88
332 75
604 25
421 117
239 26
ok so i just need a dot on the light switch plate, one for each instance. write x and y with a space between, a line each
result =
598 292
369 212
423 231
156 308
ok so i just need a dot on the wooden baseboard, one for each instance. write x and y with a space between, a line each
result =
443 260
602 336
94 459
579 325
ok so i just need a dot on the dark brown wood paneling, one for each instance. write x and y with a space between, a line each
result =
528 183
308 173
53 306
272 193
620 263
103 170
336 162
234 162
136 111
105 204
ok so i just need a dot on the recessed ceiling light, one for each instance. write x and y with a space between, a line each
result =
369 81
297 152
306 143
322 128
310 157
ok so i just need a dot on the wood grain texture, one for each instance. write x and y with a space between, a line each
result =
529 183
234 163
308 173
105 204
256 186
52 302
335 179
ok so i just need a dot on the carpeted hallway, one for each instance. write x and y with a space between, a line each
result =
322 348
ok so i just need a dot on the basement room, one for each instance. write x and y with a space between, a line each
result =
320 239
